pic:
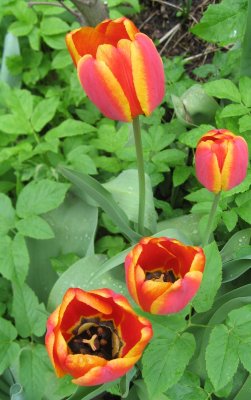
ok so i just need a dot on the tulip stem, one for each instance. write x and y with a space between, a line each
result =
211 219
141 175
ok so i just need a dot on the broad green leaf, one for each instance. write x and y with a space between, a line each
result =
61 60
169 157
8 349
239 321
244 353
230 219
188 388
35 227
223 89
87 185
244 392
74 224
69 127
183 228
83 274
40 197
235 243
7 214
244 211
181 174
235 268
245 90
233 110
33 366
53 26
43 113
221 356
160 373
29 315
91 392
81 161
14 259
192 137
211 280
230 14
125 191
56 42
245 123
14 124
20 28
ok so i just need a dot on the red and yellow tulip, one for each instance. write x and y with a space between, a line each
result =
95 336
163 274
118 67
221 160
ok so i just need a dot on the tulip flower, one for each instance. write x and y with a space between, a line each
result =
163 274
118 67
221 160
95 336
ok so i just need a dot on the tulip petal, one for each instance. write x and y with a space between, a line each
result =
119 63
103 89
179 295
151 290
79 364
207 168
121 28
234 172
148 73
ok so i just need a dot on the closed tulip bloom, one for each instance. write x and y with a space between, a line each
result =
221 160
95 336
118 67
163 274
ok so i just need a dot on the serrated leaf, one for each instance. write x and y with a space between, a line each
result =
8 349
68 128
14 259
30 316
192 137
245 90
53 26
33 366
223 89
188 388
221 356
7 214
244 211
233 110
43 113
245 123
230 219
160 373
40 197
61 60
244 354
181 174
35 227
240 321
230 14
211 280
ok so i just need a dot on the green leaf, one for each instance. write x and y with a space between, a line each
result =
245 90
234 269
211 280
30 316
89 393
7 214
239 321
169 157
233 110
181 174
53 26
8 349
244 354
87 185
188 388
223 89
74 224
68 128
35 227
245 123
160 373
192 137
20 28
43 113
230 219
61 60
235 243
230 14
40 197
125 191
244 211
34 366
17 392
83 274
14 258
244 392
221 356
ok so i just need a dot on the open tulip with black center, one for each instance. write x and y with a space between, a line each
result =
95 336
118 67
163 275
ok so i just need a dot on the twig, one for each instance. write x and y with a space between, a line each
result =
200 55
168 41
168 4
170 33
60 4
148 19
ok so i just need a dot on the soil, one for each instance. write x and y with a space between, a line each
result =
168 23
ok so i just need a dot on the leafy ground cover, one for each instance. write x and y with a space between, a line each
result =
69 197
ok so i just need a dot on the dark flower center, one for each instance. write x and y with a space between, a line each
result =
161 276
95 337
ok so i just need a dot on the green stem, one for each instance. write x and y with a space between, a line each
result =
211 219
141 174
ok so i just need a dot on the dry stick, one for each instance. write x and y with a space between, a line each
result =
168 41
168 4
170 33
200 55
148 19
